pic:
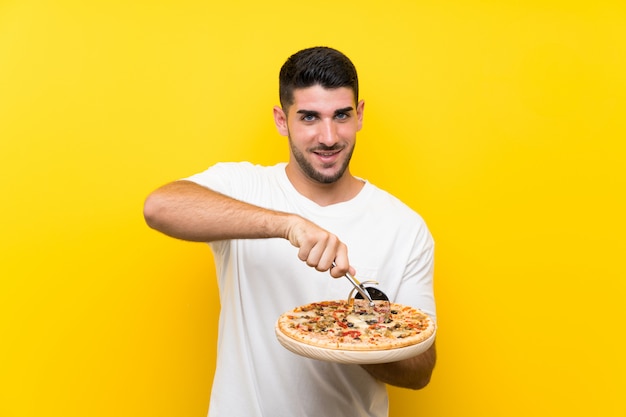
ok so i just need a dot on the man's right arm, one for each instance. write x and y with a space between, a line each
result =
189 211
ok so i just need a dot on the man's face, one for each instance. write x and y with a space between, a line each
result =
321 125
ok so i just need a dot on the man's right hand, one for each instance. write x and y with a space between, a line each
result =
318 247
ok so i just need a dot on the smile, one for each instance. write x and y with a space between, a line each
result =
327 152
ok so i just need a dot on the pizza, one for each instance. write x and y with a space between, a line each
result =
356 326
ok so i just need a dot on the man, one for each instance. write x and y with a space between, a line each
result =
278 232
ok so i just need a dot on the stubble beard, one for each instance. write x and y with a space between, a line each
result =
311 172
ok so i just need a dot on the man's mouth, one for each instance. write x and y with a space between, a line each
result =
326 152
328 158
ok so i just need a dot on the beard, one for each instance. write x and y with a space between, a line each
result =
311 172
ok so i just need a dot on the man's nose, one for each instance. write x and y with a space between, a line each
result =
328 134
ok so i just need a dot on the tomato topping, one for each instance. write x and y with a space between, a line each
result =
339 321
352 333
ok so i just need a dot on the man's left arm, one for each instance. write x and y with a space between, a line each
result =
413 373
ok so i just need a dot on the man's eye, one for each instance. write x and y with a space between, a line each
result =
308 118
342 116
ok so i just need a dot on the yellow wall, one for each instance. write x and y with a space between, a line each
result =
503 123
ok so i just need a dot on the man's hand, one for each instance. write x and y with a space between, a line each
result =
413 373
318 247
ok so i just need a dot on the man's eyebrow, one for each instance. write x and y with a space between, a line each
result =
308 112
316 113
344 110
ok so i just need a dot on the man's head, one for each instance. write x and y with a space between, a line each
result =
320 114
322 66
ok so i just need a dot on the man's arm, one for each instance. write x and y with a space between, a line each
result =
413 373
189 211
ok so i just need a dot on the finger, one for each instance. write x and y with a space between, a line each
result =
313 258
342 264
304 252
332 247
312 251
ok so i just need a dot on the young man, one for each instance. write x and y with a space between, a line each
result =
275 233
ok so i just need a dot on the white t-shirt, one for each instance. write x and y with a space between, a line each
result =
259 279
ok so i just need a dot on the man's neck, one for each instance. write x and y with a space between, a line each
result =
344 189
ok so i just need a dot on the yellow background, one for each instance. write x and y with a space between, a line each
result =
501 122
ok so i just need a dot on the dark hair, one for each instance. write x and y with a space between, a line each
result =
316 66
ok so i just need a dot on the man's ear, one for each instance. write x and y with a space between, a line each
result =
280 119
360 108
